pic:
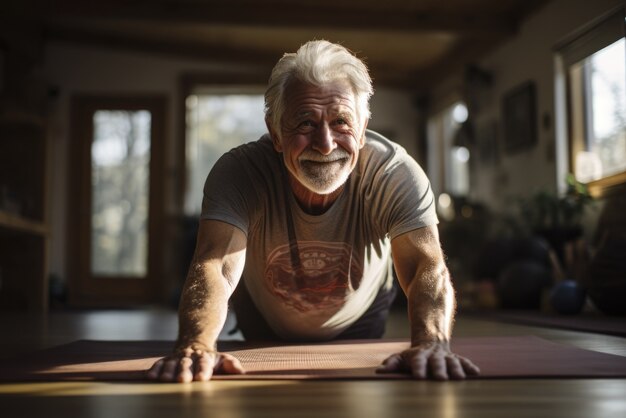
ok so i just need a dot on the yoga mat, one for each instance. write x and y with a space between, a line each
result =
498 357
595 323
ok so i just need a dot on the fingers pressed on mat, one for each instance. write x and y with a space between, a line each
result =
437 367
470 368
204 367
185 373
169 369
232 365
455 369
155 371
419 366
391 364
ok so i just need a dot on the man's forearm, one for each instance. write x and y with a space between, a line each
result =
203 307
431 305
422 273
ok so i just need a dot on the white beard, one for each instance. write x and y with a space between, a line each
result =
323 174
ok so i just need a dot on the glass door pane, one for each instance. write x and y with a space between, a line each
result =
120 184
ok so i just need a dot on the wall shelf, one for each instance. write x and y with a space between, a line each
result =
24 235
21 224
24 229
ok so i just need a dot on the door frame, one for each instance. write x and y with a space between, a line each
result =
118 291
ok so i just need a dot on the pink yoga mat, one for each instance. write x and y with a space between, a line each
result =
498 357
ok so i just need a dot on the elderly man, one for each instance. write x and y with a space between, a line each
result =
313 217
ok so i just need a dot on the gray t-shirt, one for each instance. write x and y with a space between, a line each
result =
312 276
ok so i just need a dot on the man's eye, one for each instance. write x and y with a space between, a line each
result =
306 124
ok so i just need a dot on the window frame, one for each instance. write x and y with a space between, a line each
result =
590 39
188 83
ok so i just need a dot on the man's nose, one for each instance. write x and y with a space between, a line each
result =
323 141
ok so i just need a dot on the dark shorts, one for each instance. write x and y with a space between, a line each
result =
370 325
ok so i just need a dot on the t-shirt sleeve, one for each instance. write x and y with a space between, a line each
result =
228 193
405 198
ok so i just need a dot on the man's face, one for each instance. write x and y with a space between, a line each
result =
320 135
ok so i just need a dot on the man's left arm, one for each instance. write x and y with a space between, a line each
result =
423 275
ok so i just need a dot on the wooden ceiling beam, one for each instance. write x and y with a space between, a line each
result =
454 62
287 15
191 50
255 62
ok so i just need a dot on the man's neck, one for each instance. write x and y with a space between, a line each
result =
311 202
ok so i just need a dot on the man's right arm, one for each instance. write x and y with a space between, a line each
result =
213 276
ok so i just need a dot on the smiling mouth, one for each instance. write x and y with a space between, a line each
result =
321 163
324 160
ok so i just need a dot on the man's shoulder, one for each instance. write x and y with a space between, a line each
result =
382 149
373 137
263 145
259 153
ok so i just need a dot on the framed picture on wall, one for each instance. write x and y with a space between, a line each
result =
519 113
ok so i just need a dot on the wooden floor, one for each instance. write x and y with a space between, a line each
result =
585 398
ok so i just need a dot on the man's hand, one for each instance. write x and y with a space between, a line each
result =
187 365
430 360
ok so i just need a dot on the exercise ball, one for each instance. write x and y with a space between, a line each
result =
521 284
497 254
534 248
567 297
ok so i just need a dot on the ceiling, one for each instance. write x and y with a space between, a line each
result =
406 43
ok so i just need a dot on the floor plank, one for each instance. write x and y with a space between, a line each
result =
512 398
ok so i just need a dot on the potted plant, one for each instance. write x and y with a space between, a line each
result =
558 219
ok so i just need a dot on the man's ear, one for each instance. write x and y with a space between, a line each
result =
273 134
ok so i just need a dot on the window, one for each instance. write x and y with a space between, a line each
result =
217 120
593 67
448 155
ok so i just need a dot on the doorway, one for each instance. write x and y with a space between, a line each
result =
115 201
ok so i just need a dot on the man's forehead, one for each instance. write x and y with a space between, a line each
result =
333 110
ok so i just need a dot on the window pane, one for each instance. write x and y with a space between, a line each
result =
459 171
448 155
605 108
120 172
217 123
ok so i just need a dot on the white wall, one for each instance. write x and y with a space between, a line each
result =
528 56
75 69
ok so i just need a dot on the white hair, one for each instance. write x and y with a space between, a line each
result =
317 63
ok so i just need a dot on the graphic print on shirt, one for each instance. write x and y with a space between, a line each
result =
328 273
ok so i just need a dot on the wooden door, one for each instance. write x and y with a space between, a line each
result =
115 200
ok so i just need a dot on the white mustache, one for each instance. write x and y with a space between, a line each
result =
337 154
